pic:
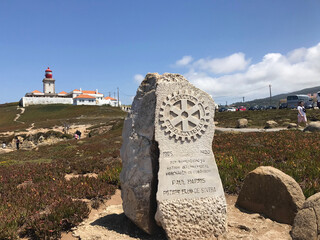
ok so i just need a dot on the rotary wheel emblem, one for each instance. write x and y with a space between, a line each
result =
184 116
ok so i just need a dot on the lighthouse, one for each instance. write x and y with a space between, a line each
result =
48 82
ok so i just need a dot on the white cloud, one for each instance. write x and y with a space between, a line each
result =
138 78
185 60
296 70
232 63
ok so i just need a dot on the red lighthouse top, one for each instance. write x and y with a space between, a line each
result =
48 73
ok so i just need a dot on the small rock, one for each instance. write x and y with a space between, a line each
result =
28 145
41 139
292 125
271 124
242 227
242 123
313 127
25 184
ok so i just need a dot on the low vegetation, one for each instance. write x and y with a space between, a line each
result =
294 152
47 116
259 118
37 201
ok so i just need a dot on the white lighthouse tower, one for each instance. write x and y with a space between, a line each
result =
48 83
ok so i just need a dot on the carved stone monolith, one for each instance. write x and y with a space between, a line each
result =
168 163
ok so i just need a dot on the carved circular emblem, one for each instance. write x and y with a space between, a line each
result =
184 115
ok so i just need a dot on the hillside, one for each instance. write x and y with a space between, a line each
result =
46 116
275 99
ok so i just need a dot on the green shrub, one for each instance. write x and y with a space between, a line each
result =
63 215
112 175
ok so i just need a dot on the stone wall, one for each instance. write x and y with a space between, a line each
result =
27 101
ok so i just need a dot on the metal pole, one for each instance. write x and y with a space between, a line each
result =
270 93
118 96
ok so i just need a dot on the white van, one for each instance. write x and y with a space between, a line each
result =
293 100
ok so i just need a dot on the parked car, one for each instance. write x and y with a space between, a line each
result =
254 108
282 105
308 105
231 109
241 108
271 107
222 109
293 100
262 108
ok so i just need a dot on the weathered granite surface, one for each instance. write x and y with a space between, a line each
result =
190 197
306 224
139 154
271 192
170 130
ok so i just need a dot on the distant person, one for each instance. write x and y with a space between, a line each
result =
18 143
79 134
302 116
76 136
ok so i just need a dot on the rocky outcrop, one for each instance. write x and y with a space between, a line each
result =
273 193
271 124
313 127
307 221
242 123
139 158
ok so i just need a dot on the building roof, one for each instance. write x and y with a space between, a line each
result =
76 90
48 70
90 92
110 98
63 92
36 91
84 96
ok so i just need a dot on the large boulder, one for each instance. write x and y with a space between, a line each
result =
306 224
242 123
313 127
271 192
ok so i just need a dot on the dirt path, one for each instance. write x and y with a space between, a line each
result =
245 130
19 114
110 223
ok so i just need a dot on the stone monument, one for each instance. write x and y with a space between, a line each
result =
168 163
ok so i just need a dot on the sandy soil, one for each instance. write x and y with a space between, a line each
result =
110 223
31 130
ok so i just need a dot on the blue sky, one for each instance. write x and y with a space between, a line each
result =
230 49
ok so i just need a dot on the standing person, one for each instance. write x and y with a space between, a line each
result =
17 143
79 134
302 116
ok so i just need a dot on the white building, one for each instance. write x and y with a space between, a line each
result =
111 101
76 97
84 100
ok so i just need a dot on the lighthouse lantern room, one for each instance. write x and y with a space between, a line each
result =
48 82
